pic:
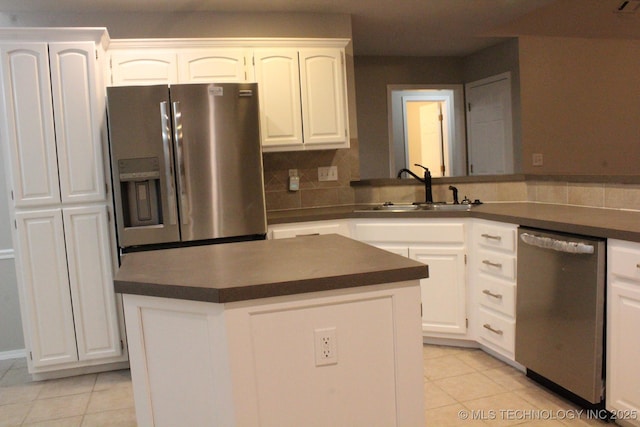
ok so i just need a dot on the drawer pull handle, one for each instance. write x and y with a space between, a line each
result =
492 264
489 236
491 294
495 331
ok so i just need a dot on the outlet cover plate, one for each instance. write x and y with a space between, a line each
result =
326 348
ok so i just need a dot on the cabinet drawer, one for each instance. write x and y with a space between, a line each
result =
309 229
410 232
396 249
496 330
496 264
496 295
496 237
624 260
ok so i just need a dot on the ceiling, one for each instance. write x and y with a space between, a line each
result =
399 27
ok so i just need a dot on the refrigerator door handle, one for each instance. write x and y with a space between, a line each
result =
168 165
178 138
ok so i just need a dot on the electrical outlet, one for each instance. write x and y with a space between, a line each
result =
536 159
326 346
328 173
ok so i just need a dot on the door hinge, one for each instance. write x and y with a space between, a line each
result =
420 310
15 224
30 355
108 216
470 168
440 117
121 345
96 55
466 323
465 259
12 195
468 106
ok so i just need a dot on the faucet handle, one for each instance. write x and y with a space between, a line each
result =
423 167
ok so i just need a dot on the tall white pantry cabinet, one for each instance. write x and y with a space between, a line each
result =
54 114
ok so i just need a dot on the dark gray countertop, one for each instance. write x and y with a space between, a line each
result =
606 223
259 269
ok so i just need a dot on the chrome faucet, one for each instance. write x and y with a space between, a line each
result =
428 193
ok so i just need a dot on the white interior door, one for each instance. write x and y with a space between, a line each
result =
427 134
489 126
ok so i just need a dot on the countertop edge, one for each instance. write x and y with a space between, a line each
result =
487 211
267 290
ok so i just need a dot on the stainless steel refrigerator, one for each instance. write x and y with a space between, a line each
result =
186 163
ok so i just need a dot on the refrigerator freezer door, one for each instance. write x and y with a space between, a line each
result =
142 158
218 160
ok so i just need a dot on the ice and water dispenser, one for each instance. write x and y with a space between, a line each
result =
140 191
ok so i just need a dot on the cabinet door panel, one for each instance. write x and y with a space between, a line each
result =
28 127
91 281
219 65
279 89
443 293
42 270
143 68
323 104
77 121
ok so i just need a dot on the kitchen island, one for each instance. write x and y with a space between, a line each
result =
313 331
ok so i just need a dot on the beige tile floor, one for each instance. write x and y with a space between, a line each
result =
457 383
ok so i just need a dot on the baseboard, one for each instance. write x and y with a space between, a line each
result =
13 354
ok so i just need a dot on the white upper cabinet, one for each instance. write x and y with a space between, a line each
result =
53 123
214 65
29 129
131 67
143 67
322 84
302 98
301 82
77 118
277 73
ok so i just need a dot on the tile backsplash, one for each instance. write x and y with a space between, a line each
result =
312 192
317 194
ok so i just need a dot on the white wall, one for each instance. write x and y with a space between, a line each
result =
10 325
193 24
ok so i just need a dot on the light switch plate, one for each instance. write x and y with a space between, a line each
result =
328 173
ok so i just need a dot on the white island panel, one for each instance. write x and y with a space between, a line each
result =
253 363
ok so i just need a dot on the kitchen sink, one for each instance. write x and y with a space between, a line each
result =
411 207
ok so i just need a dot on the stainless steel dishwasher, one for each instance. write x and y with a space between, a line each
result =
560 312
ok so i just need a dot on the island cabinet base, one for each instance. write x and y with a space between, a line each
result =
348 357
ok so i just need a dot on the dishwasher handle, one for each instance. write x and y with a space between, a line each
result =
557 245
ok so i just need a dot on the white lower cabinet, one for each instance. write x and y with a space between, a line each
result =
68 302
441 245
283 231
623 322
470 294
493 284
444 308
